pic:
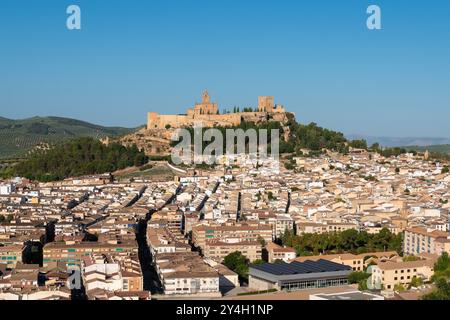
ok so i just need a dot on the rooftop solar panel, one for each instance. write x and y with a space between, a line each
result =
296 267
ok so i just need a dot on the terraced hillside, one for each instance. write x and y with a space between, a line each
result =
17 137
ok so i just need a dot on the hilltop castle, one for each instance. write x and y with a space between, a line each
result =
207 113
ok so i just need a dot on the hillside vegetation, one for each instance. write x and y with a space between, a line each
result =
17 137
78 157
441 148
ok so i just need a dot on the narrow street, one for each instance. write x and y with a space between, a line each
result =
151 279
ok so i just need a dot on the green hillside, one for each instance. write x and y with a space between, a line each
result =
17 137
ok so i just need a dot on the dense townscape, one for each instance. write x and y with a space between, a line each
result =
315 230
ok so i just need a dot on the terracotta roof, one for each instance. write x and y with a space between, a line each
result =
390 265
434 233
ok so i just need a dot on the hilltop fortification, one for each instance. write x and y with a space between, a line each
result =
156 137
207 113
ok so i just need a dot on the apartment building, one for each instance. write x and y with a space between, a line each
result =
10 255
283 222
390 273
274 252
163 240
103 272
420 240
72 254
340 226
218 250
173 218
191 283
230 233
303 227
358 262
186 273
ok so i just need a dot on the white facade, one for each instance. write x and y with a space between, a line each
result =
106 276
6 189
191 285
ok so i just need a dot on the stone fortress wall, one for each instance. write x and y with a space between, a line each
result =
207 113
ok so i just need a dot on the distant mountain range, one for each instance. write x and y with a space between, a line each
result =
19 136
399 142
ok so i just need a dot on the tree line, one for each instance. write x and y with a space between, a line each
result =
78 157
351 240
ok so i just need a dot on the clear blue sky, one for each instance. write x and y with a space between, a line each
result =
316 57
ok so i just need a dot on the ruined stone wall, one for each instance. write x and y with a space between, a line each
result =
158 121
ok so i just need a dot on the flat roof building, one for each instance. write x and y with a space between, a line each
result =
298 275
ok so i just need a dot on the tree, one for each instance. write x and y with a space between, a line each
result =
348 238
347 241
416 282
389 152
358 144
358 276
82 156
399 287
362 285
375 147
442 267
258 262
262 241
440 279
445 169
238 263
442 291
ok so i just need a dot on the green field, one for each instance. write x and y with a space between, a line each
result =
17 137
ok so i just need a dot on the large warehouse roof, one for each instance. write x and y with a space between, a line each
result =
306 267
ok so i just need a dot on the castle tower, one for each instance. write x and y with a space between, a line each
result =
265 104
152 120
205 97
206 107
